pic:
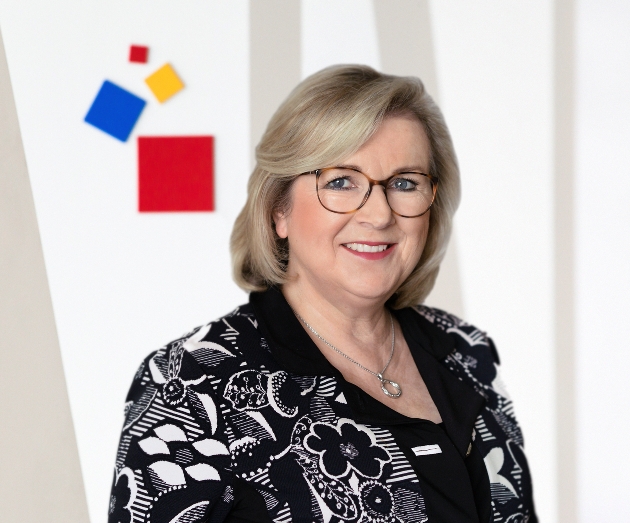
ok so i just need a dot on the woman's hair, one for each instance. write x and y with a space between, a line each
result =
325 119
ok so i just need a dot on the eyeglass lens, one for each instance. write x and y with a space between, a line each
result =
343 190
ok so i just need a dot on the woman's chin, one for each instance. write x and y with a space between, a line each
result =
377 291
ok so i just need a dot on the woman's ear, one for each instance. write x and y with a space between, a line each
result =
280 222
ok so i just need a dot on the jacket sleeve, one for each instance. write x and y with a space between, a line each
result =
173 462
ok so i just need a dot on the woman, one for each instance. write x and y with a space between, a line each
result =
332 395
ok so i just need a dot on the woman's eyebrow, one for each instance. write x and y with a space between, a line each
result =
405 169
348 166
409 168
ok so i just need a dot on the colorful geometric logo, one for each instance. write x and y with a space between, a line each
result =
175 173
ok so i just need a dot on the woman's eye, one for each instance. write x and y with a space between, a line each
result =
339 183
402 184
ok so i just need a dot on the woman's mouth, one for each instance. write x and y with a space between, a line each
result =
364 247
370 250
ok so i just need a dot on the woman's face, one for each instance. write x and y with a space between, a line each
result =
325 248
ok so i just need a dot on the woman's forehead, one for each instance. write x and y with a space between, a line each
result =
399 142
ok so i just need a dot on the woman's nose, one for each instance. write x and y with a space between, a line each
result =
376 211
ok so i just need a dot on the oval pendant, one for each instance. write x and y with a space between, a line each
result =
393 384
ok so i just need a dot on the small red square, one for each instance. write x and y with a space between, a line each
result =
175 173
139 54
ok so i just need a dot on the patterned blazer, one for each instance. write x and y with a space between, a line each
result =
243 419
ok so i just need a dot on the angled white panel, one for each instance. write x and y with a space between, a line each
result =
40 473
125 283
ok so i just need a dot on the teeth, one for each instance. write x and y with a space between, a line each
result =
362 247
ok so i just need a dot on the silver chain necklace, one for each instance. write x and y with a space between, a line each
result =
379 375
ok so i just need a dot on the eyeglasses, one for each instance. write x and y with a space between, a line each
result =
343 190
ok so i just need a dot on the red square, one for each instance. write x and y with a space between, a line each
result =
175 173
139 53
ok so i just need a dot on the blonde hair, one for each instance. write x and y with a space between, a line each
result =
325 119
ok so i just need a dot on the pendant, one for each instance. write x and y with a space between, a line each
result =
391 383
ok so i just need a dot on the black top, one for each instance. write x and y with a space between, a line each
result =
245 420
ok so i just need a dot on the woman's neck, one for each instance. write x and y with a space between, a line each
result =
359 327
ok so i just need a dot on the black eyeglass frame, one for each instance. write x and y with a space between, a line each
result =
318 172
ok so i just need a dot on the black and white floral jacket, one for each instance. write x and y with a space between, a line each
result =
243 419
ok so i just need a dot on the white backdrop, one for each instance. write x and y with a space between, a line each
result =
603 250
124 283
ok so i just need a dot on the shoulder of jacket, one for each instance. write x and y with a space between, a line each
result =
440 318
467 336
233 337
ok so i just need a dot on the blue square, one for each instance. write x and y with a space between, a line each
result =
115 111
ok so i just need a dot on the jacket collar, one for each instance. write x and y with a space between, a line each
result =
289 343
293 349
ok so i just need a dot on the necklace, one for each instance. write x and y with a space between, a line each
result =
379 375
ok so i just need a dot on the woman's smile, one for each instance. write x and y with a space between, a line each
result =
370 250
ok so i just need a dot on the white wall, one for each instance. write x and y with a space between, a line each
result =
602 231
125 283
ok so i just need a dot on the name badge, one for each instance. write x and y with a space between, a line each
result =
425 450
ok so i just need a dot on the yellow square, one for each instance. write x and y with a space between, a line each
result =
164 83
